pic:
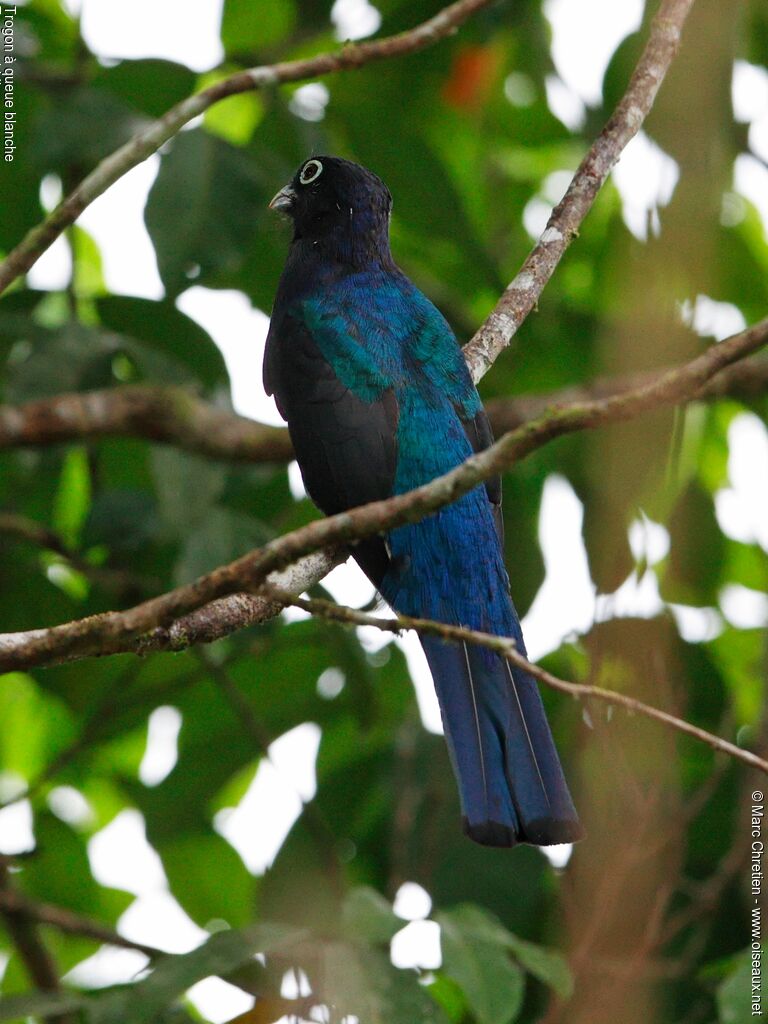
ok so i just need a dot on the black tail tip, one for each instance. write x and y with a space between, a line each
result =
490 833
545 832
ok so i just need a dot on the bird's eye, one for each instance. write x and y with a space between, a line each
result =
311 171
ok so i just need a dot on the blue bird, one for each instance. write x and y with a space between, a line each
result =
378 400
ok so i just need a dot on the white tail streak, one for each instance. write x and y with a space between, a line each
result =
477 720
525 726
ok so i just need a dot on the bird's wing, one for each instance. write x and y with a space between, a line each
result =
344 431
336 386
480 435
436 349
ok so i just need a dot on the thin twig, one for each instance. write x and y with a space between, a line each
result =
115 632
144 144
505 646
14 905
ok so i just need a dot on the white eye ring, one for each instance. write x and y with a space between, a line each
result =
310 172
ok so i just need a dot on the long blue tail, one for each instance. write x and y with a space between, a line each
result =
510 781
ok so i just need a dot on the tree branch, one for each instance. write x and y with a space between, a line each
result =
13 905
32 951
123 631
228 614
169 414
144 144
521 295
742 380
506 647
173 415
203 624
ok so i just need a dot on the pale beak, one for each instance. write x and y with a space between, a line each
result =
283 200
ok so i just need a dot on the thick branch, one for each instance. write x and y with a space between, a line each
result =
742 381
204 624
236 611
168 414
521 295
350 56
121 631
176 416
507 649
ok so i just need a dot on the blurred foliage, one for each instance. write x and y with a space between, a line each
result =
465 138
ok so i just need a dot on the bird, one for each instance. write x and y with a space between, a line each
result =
378 400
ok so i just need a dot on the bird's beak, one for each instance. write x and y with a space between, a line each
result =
283 200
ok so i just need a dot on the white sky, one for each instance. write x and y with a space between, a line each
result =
585 35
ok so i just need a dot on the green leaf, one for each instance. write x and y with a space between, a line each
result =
222 537
401 995
362 981
43 1005
53 32
33 726
204 210
187 486
165 328
151 86
734 995
248 26
738 654
746 564
691 579
235 118
80 127
367 915
73 498
68 358
208 878
476 957
450 996
60 872
89 268
173 975
126 520
20 180
546 965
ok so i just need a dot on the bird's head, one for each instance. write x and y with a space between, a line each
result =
338 205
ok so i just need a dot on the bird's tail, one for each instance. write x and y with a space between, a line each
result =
510 781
